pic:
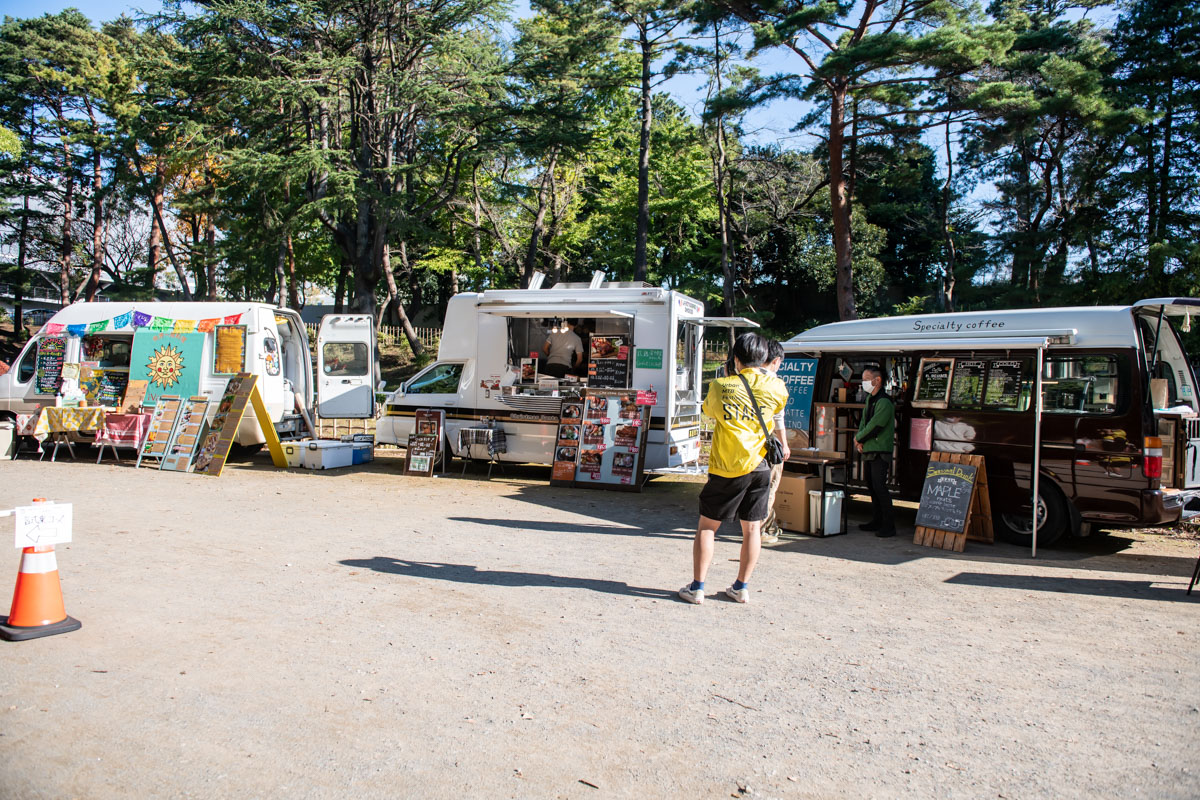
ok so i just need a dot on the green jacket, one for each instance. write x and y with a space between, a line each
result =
877 429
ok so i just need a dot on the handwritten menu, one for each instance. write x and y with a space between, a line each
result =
135 394
946 496
966 389
162 425
230 352
1004 380
186 438
933 382
223 429
422 454
52 351
609 365
108 387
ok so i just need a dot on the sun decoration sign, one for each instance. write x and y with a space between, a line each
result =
165 366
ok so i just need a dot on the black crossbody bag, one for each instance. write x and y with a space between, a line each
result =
774 446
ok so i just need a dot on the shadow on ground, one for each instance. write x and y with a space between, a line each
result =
466 573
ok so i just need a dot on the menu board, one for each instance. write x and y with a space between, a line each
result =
103 387
52 351
609 365
223 429
135 393
230 354
186 438
430 422
966 389
605 440
946 496
566 445
422 454
933 383
1004 381
162 425
529 370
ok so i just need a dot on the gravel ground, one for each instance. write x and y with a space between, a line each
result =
358 633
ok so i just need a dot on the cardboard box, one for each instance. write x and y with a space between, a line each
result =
791 501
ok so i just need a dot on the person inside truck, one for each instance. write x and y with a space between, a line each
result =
563 349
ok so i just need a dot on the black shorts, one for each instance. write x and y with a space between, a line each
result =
744 496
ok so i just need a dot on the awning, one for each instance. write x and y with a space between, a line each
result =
562 309
722 322
1172 306
883 345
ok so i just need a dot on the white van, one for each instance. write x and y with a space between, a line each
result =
180 348
478 375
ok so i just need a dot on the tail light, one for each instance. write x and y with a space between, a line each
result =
1152 457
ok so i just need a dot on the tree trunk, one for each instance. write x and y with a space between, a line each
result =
93 284
410 333
643 196
539 223
293 290
1163 233
156 231
947 238
68 218
840 205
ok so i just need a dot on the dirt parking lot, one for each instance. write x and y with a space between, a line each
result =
360 634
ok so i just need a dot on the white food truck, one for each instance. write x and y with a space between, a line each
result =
488 366
184 348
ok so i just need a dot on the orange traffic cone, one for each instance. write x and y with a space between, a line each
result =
37 606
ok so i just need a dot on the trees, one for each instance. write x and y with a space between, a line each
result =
865 65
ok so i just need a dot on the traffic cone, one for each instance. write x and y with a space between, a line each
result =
37 606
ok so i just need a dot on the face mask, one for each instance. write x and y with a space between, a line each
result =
868 386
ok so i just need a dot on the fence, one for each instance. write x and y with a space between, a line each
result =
392 335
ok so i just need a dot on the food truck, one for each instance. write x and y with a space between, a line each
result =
184 349
1114 440
490 373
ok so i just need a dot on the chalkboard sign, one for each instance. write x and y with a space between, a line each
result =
946 496
1004 380
422 454
110 387
933 382
967 387
609 365
52 351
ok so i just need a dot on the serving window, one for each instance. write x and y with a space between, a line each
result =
110 352
526 337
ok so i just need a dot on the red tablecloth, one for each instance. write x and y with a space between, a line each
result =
124 430
26 423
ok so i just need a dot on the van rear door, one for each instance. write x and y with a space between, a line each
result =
346 366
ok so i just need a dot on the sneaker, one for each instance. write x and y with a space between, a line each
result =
738 595
692 595
769 537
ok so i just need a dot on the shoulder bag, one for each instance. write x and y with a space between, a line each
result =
774 446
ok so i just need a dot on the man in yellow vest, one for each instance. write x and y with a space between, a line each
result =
738 476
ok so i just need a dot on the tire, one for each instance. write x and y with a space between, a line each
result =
245 451
1053 512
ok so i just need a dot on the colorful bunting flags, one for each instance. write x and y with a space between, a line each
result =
207 325
122 321
96 327
161 324
184 326
77 330
54 327
141 320
232 319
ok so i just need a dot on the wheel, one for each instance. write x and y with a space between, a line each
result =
1053 519
247 451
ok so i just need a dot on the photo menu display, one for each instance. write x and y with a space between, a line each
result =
609 364
613 439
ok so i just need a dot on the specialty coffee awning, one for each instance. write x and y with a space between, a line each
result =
876 344
559 309
723 322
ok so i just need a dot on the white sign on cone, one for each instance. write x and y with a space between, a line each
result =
43 524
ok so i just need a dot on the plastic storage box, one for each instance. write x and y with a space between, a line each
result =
294 452
833 513
362 452
328 455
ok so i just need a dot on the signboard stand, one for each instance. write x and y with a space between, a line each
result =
242 391
601 441
955 505
187 436
162 426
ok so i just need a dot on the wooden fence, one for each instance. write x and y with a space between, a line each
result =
393 335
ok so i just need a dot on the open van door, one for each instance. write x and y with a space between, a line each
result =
346 366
